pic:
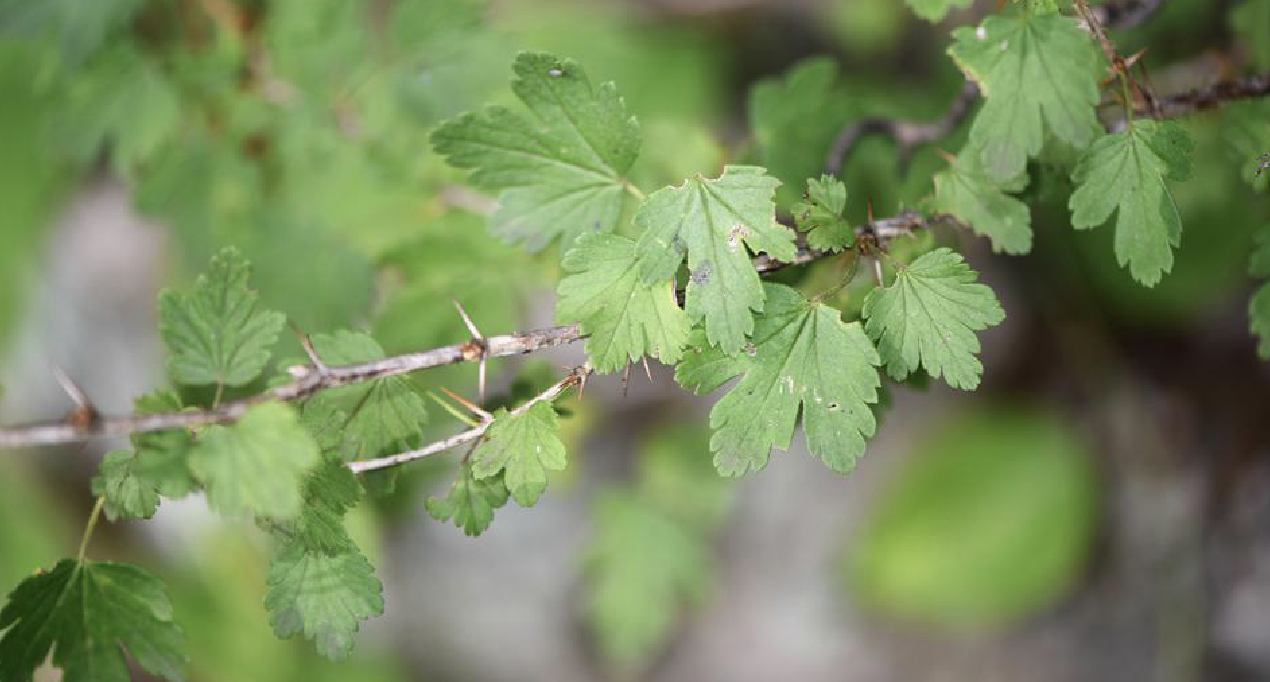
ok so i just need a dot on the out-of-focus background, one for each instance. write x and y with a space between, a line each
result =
1098 510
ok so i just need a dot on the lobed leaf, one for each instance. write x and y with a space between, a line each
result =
623 317
1038 73
804 355
559 173
966 192
256 465
714 221
216 334
524 447
1125 173
95 616
927 317
470 502
819 214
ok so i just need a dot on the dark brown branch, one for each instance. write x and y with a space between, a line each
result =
1126 13
1213 96
309 379
909 135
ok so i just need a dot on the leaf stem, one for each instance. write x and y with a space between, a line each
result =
634 191
92 524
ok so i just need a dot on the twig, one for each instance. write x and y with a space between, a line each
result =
576 376
910 135
1126 13
308 379
1215 95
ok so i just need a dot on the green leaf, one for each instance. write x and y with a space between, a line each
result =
992 520
319 582
1246 128
714 220
624 317
643 568
471 502
560 172
704 368
1259 306
928 317
795 119
323 595
819 214
216 334
256 465
804 354
1251 21
76 28
1038 73
90 613
935 10
972 196
378 413
128 496
329 492
120 100
161 456
525 447
1124 172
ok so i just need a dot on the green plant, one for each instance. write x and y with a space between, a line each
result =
237 108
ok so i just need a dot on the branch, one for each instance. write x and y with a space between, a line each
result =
1126 13
310 379
575 377
1213 96
910 135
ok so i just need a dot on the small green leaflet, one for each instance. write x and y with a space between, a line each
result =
559 173
256 465
1037 72
216 334
90 613
376 414
804 354
1124 172
928 316
624 317
714 220
471 502
1259 306
935 10
643 568
323 595
525 446
819 214
127 495
973 197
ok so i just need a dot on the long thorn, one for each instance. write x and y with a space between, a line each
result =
72 389
475 409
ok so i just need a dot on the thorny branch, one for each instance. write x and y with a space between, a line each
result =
313 378
575 377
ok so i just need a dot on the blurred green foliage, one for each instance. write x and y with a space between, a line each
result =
992 520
